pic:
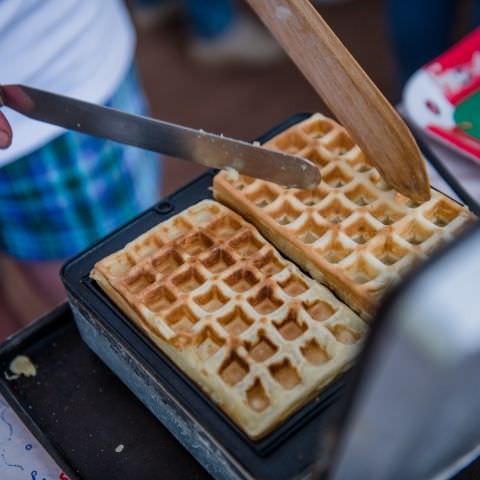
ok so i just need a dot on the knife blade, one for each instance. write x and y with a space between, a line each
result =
178 141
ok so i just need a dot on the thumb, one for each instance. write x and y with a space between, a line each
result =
5 132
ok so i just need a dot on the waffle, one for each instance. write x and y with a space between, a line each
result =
256 334
352 233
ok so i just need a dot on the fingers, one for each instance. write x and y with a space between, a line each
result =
5 132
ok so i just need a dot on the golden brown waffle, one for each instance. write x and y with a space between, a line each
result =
245 324
352 233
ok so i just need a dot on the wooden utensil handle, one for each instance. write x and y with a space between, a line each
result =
348 91
331 56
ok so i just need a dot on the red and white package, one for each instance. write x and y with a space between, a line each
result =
443 98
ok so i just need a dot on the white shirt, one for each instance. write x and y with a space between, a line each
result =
78 48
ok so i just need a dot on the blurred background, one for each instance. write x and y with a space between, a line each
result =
244 101
239 83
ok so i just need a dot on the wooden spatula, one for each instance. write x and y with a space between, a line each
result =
349 93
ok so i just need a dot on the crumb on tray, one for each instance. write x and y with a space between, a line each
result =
21 365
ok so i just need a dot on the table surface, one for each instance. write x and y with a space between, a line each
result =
22 457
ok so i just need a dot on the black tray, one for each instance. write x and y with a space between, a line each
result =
79 411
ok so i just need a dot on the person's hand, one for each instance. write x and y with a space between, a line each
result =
5 132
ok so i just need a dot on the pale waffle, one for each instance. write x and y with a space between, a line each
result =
352 233
255 333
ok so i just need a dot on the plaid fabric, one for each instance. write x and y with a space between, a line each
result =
61 198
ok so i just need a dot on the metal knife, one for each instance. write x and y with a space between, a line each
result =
167 138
